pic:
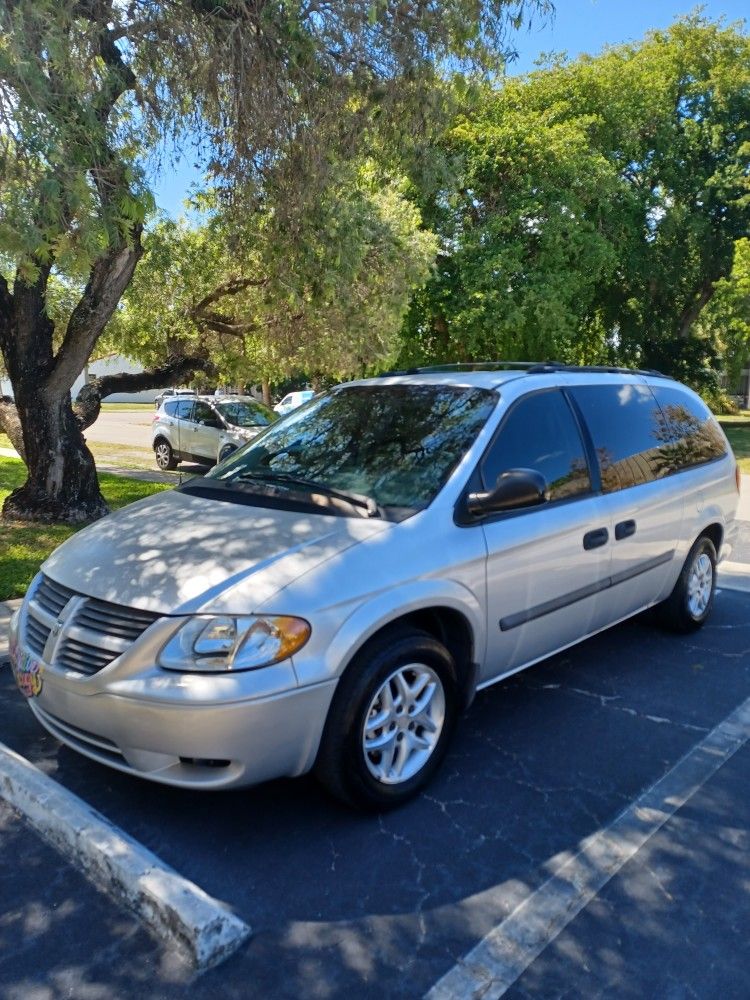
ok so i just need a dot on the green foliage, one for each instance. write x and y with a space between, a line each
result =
725 321
596 205
325 294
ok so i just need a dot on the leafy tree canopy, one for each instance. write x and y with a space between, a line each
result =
270 95
267 298
596 207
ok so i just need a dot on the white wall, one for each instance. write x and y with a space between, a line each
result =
114 364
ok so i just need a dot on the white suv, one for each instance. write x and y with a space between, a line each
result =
332 596
206 431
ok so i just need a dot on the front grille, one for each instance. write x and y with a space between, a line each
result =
111 619
82 656
51 596
93 633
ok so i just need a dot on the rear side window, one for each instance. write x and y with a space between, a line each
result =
630 433
696 437
184 408
170 407
540 433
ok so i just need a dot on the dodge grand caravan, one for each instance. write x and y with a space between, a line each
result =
332 595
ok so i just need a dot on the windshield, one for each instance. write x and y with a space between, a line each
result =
243 413
395 444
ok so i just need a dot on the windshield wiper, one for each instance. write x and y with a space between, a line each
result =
372 507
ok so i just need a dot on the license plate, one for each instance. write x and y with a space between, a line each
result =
29 672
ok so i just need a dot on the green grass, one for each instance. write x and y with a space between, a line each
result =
24 546
738 432
130 407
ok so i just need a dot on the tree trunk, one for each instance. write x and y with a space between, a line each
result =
62 484
266 388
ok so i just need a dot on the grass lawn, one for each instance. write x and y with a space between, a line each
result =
130 407
23 546
738 432
125 455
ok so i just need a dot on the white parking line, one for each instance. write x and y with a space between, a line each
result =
491 967
176 909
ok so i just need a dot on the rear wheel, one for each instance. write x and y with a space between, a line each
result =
226 451
691 601
391 720
165 457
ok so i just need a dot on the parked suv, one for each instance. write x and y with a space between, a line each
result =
333 594
206 431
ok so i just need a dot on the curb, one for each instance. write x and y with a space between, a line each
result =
176 909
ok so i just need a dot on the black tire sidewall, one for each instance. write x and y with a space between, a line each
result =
703 545
342 749
677 614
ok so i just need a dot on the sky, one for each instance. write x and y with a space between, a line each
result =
578 26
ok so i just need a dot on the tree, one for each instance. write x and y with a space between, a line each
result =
596 205
725 322
91 90
326 295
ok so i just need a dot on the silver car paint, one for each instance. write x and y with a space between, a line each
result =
178 555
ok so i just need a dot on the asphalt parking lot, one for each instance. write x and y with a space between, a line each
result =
387 905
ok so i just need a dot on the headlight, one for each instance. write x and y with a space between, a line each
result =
218 643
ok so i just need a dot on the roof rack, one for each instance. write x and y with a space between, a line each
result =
528 367
467 366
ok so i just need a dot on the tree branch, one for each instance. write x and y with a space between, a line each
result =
231 287
108 279
692 310
175 370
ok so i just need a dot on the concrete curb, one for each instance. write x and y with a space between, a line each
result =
177 910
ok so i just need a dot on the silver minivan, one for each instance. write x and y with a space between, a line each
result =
332 596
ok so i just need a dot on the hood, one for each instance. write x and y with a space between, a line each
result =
174 553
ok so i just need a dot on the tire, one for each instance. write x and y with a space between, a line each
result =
165 457
226 451
690 603
407 680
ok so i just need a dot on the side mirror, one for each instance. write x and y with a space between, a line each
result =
516 488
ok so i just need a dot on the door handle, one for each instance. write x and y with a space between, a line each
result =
593 539
624 530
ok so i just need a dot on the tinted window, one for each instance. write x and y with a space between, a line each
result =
243 413
395 443
184 408
204 414
695 433
540 433
170 407
630 433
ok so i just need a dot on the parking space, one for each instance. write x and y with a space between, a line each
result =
386 905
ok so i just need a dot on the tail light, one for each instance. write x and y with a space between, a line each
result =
737 477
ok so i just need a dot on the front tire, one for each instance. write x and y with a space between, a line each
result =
390 722
691 602
165 457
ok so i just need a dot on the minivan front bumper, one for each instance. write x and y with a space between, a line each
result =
170 729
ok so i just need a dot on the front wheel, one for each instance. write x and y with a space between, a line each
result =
391 720
165 457
691 601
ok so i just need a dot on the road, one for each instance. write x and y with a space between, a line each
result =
132 428
384 906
